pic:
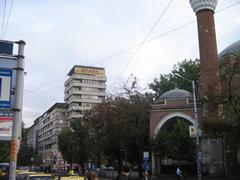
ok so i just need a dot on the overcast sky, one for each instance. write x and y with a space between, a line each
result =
63 33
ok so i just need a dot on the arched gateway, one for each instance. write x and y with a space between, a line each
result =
174 104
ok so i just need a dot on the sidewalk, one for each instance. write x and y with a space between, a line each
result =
134 176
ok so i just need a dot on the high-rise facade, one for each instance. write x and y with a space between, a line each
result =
85 87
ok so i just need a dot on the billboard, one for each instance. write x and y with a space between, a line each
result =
6 123
89 71
7 95
5 88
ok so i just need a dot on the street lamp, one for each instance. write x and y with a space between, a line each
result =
198 144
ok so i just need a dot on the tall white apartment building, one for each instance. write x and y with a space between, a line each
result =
85 87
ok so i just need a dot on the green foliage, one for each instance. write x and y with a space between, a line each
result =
75 142
175 143
186 68
66 144
5 151
24 155
121 124
25 151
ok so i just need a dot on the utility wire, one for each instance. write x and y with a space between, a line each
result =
9 14
139 44
164 35
144 40
35 94
3 19
49 91
156 37
48 83
227 7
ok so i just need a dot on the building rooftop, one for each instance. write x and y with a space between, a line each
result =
72 71
233 49
175 94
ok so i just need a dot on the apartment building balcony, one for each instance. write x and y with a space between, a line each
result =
78 84
82 92
78 108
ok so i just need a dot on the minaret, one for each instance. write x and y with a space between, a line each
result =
209 66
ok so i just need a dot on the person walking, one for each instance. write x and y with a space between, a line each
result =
92 176
125 172
146 172
178 173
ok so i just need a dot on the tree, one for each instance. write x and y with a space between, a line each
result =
75 143
5 151
227 123
174 142
25 151
119 127
66 144
166 82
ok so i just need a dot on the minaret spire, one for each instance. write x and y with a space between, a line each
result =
209 66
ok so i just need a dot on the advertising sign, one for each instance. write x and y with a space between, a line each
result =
7 95
89 71
5 87
6 123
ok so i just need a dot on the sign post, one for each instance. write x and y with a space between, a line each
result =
146 156
17 109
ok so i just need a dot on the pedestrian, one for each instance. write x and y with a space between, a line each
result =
92 176
146 172
125 172
71 172
178 173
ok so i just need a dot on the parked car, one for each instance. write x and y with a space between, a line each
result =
23 175
37 176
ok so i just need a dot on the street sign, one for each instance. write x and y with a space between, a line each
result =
5 88
8 64
192 131
145 155
6 47
146 166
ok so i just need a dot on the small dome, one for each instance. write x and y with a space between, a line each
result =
233 49
175 94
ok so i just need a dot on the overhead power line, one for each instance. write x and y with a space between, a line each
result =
47 84
39 96
3 19
227 7
156 37
139 44
9 14
144 40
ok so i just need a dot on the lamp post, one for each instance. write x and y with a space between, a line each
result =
198 144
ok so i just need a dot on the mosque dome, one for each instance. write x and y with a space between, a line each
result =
233 49
175 94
